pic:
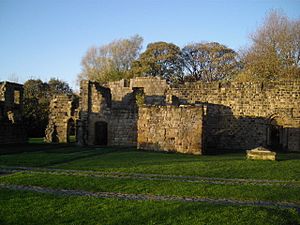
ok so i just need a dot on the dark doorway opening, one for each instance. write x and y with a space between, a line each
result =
275 137
100 133
71 131
278 135
54 137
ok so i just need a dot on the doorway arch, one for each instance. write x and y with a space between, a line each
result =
71 131
100 133
277 138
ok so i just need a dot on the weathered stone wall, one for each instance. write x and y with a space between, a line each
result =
115 105
244 98
12 129
123 128
242 115
62 118
154 89
235 115
98 105
171 128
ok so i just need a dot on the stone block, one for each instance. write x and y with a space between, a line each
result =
261 153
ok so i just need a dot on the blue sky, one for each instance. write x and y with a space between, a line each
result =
44 39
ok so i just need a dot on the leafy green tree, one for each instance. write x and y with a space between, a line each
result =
275 50
35 88
209 62
160 59
112 61
57 86
36 103
37 97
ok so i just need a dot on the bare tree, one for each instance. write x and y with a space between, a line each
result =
275 49
13 77
111 61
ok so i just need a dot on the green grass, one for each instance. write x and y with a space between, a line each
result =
96 184
50 156
72 139
20 208
39 140
126 160
227 166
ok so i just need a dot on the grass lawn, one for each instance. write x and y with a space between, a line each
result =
32 208
25 207
129 160
174 188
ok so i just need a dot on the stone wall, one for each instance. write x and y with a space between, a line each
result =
234 116
116 111
171 128
123 128
245 115
114 106
154 88
62 119
12 129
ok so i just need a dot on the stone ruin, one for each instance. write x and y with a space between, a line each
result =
11 114
62 119
194 118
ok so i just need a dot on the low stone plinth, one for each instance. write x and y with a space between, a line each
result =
261 153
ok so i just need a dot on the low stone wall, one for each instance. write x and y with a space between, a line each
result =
170 128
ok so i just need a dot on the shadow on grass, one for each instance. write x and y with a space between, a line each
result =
288 156
94 152
49 155
38 145
44 154
28 147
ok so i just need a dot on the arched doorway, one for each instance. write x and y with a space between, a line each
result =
100 133
277 136
71 131
275 139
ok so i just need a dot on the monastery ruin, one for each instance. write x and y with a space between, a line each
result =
194 118
11 111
